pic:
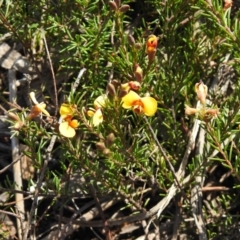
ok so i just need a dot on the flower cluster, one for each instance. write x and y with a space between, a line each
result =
146 105
204 113
124 94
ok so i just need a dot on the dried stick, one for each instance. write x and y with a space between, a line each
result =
10 213
17 173
98 204
196 193
191 143
11 164
181 171
177 221
53 74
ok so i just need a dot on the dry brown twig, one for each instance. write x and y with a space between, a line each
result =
17 175
53 74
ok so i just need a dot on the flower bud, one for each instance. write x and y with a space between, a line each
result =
138 46
134 85
131 40
138 73
113 5
151 56
116 84
122 93
18 125
110 139
106 151
124 8
35 112
125 87
151 46
13 116
111 89
227 4
201 90
118 3
90 112
100 146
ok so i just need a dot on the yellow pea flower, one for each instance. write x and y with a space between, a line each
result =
100 101
68 126
96 114
67 110
146 105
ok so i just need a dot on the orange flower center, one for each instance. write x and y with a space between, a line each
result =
138 106
151 49
72 123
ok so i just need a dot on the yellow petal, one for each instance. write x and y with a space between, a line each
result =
100 101
97 117
66 110
129 99
33 97
42 106
66 130
190 110
201 90
152 42
149 106
125 87
91 112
